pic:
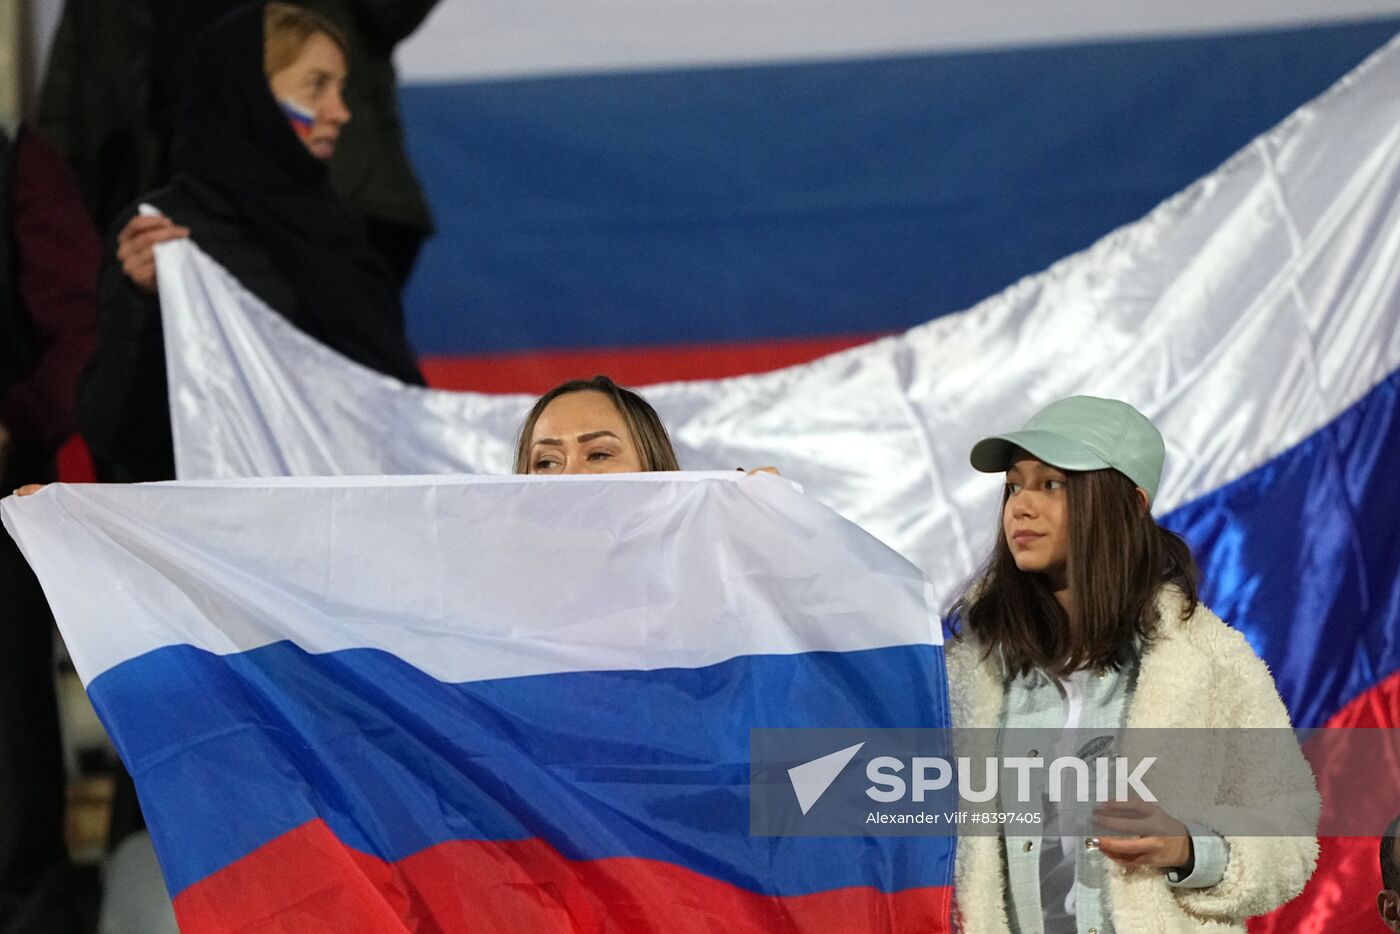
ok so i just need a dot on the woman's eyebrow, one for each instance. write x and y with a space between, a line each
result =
581 439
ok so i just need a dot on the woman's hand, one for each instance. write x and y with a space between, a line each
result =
136 247
29 489
1138 833
758 470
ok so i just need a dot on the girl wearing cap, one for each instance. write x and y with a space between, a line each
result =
1086 617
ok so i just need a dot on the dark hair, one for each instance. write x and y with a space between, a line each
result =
1390 875
648 434
1119 558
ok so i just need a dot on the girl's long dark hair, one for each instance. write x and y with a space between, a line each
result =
1119 558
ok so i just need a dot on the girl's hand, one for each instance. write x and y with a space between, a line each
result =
1138 833
772 470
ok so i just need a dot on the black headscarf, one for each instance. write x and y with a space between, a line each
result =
234 137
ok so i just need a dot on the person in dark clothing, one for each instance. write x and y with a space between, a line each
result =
49 252
263 115
371 168
115 82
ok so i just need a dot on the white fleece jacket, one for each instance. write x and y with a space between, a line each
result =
1197 673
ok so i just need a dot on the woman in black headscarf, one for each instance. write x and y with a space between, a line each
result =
262 116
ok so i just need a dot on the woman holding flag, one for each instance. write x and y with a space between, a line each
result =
1086 617
592 426
262 117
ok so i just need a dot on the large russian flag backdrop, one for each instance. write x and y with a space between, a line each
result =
448 704
700 188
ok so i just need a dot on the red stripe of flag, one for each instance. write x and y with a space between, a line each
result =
307 882
535 372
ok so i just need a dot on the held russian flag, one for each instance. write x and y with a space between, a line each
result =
507 704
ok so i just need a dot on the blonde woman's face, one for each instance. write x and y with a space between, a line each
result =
582 432
310 90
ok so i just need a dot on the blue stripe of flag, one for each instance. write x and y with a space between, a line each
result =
231 751
706 206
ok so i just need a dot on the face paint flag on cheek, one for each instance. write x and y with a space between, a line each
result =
299 117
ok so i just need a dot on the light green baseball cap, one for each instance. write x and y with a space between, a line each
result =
1083 433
